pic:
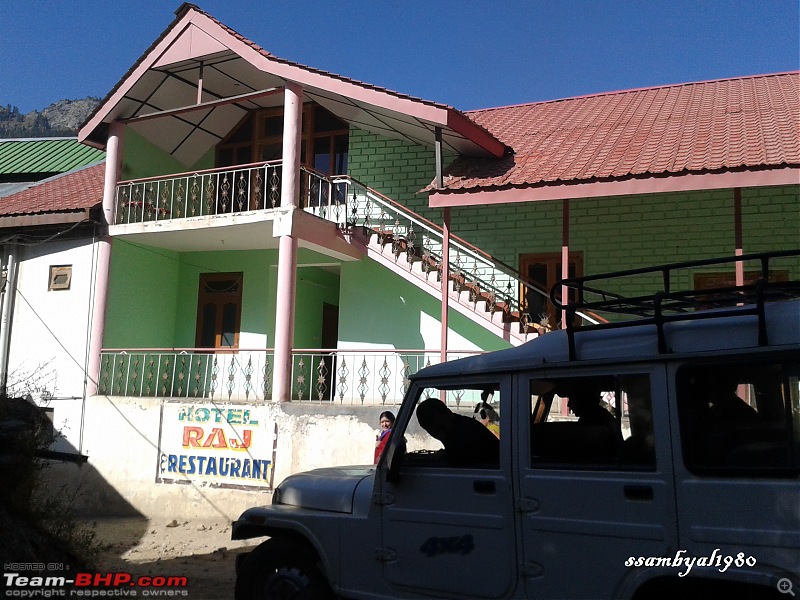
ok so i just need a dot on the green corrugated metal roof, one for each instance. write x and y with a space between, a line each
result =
46 155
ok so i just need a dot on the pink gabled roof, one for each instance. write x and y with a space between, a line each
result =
166 77
74 191
705 127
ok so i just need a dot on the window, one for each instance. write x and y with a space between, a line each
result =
610 425
740 419
260 138
545 270
60 277
219 310
455 433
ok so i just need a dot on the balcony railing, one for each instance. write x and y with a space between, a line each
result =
350 377
202 193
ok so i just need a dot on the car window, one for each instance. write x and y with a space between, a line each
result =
602 422
741 418
455 427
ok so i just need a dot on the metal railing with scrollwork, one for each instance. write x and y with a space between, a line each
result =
201 193
348 377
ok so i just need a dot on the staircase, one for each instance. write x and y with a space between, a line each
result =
480 287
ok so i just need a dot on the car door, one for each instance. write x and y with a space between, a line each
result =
738 473
594 492
449 529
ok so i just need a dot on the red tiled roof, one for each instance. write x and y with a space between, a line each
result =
747 122
76 190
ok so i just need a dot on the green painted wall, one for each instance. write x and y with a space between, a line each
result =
258 309
637 231
395 168
142 297
140 158
315 286
153 296
379 307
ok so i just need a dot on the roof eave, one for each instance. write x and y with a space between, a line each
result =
632 186
50 218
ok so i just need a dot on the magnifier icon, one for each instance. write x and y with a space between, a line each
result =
785 586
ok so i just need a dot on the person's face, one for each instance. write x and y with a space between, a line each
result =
386 423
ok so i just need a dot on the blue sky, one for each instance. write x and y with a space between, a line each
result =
465 53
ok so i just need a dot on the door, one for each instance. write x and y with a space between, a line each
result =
545 270
448 519
329 340
219 310
596 488
738 479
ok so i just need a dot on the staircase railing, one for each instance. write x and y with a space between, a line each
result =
483 276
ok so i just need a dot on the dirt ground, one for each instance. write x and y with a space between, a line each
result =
201 551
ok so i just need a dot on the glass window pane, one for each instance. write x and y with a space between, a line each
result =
463 431
228 337
273 126
609 424
209 326
322 155
740 419
341 147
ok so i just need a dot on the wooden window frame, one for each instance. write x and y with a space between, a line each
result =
260 138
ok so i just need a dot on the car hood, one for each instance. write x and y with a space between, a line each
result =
331 488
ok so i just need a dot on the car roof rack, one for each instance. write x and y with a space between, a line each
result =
668 304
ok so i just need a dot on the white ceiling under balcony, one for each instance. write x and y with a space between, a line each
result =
158 97
258 230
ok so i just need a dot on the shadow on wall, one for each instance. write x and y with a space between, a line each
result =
40 490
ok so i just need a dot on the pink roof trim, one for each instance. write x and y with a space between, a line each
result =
191 21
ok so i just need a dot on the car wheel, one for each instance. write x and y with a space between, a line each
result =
281 569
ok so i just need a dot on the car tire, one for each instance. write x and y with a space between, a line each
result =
281 569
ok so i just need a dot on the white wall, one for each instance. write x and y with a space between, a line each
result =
121 440
50 327
49 332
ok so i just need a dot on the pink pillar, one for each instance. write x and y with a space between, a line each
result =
287 249
103 268
445 281
564 259
737 228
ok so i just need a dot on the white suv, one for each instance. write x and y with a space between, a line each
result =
636 458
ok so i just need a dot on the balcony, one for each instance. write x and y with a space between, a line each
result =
229 190
347 377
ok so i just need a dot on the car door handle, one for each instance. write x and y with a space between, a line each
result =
641 493
484 487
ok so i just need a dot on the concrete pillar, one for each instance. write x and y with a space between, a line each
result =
564 259
287 249
737 232
445 282
9 295
103 267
